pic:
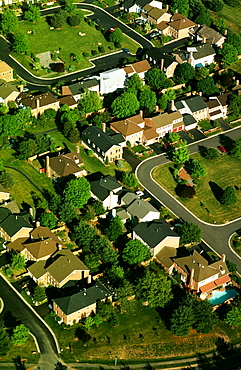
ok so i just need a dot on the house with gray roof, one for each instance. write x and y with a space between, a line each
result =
13 226
207 34
106 190
156 235
72 308
78 88
194 105
198 55
142 211
165 62
8 92
107 147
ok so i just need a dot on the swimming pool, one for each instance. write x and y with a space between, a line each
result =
220 297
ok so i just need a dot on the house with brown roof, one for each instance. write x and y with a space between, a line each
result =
65 165
6 72
68 100
8 92
155 15
168 122
139 67
38 103
39 245
62 267
218 106
180 27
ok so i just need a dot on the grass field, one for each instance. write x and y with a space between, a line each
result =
68 41
224 171
232 17
24 351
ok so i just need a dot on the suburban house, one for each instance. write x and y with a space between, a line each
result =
189 121
8 92
155 15
68 100
77 89
72 308
60 268
167 122
178 27
38 103
142 211
40 244
209 35
139 67
13 226
156 235
4 194
196 272
136 6
218 106
199 56
105 189
105 146
112 80
164 62
64 165
194 105
6 72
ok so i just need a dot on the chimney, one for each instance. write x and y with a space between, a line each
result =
31 212
190 58
191 282
237 82
88 279
225 32
223 257
104 127
156 108
47 167
113 211
172 106
162 64
20 87
200 93
167 7
37 104
60 247
204 40
141 113
37 224
77 148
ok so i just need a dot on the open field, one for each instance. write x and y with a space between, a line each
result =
223 172
232 17
67 41
24 351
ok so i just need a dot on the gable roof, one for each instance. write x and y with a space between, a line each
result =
211 35
202 50
101 188
82 299
164 119
6 89
99 138
152 233
140 208
194 103
156 53
31 100
79 87
4 67
179 22
68 99
188 119
128 126
64 164
11 223
137 67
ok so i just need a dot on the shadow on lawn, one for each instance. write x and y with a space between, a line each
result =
216 190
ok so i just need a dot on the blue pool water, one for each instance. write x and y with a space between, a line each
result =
220 297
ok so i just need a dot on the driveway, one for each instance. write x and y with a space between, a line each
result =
215 236
224 126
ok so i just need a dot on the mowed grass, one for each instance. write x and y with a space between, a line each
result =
140 335
223 171
24 351
231 15
68 40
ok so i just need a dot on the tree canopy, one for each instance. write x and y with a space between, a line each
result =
18 262
229 197
207 86
32 14
77 192
229 53
196 168
116 36
135 252
90 102
20 42
184 72
135 82
147 99
157 79
125 105
181 154
233 317
114 229
236 148
20 335
182 6
189 233
9 21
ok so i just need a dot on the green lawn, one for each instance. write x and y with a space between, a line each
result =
232 17
223 171
68 39
24 351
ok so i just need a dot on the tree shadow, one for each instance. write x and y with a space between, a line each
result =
226 141
202 150
82 335
216 190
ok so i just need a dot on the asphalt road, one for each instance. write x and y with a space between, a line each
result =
19 309
216 236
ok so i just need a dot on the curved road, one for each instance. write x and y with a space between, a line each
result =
101 64
215 236
19 309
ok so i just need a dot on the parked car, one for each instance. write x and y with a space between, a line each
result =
127 51
112 29
154 34
222 148
139 21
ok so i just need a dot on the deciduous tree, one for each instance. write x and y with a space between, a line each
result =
90 102
196 168
189 233
20 42
181 154
134 82
114 229
147 99
125 105
32 14
207 86
184 72
236 148
116 36
20 335
135 252
204 18
229 53
48 219
233 317
18 262
9 21
156 79
77 192
229 197
182 6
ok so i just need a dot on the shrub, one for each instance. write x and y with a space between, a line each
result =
86 55
118 45
94 52
54 56
58 67
119 164
90 152
101 49
28 53
185 191
74 20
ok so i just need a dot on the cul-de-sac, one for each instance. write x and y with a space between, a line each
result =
120 184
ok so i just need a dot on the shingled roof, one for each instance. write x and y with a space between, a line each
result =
65 164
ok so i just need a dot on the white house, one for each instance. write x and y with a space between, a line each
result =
142 211
201 55
112 80
105 189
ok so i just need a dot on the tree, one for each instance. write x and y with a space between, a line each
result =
27 148
4 109
155 288
20 42
215 5
58 19
90 102
84 235
236 148
116 36
233 317
48 219
235 104
147 99
9 21
235 40
210 153
39 293
229 54
203 18
182 320
115 274
67 212
114 229
89 322
196 168
77 192
168 96
189 233
32 14
207 86
18 262
135 252
181 154
221 26
6 179
182 6
125 105
20 335
135 82
202 72
156 79
185 191
172 137
184 72
229 196
129 179
60 366
70 6
195 7
205 317
74 20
